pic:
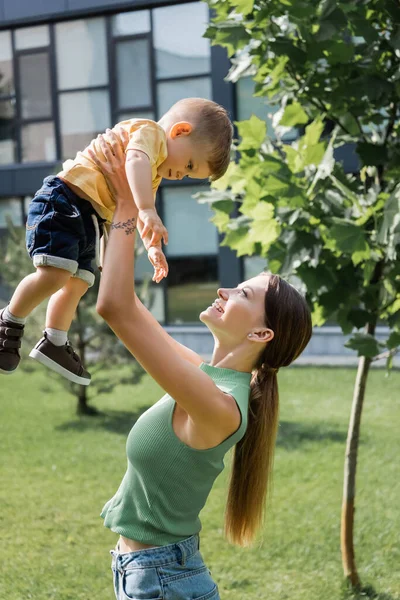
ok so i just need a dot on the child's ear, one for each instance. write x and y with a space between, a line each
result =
180 128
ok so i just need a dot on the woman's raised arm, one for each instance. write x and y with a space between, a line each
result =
118 304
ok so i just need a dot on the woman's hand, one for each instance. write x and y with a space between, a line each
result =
113 165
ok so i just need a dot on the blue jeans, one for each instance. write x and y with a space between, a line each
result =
63 230
172 572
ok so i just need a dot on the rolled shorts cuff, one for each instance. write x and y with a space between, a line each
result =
45 260
86 276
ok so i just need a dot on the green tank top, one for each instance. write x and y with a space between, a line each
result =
167 482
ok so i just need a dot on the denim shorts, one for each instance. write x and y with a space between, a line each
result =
172 572
63 230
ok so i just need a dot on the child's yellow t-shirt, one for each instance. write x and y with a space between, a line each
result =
144 135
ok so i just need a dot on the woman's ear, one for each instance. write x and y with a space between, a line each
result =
181 128
261 335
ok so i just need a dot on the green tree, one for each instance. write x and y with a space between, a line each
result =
99 349
331 69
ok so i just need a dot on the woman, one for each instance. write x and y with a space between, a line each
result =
176 448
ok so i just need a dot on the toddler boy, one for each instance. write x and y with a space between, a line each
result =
66 217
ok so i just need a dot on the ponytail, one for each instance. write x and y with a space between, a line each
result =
253 460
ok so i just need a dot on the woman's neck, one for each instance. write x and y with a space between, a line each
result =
238 358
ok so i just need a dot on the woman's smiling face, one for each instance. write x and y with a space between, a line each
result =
238 311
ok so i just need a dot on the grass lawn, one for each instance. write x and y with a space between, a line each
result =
57 471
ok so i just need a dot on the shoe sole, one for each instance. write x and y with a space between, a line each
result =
51 364
7 372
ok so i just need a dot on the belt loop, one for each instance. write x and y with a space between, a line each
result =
183 554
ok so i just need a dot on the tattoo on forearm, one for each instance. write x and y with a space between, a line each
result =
128 226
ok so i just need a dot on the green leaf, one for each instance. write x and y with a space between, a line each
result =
264 228
391 217
339 52
393 340
348 238
372 154
220 220
233 36
243 6
252 132
365 344
233 178
293 115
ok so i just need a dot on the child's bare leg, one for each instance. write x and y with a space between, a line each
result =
32 290
62 305
35 288
52 350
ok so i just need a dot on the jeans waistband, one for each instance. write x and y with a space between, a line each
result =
180 551
84 205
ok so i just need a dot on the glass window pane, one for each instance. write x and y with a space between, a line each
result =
38 142
82 115
187 53
10 208
129 23
81 53
188 222
7 131
143 114
133 73
34 75
32 37
248 105
192 286
6 66
170 92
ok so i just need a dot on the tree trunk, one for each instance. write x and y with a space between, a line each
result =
350 467
82 406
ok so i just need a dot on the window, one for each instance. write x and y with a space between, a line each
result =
131 23
83 115
133 73
188 223
169 92
7 131
38 142
186 53
6 65
142 114
36 118
7 101
81 54
32 37
34 76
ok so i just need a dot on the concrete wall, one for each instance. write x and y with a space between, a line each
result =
326 346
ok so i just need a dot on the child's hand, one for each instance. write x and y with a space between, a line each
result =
152 223
159 262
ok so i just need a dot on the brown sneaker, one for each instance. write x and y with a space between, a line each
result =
61 359
10 343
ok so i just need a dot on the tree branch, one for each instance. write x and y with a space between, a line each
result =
387 354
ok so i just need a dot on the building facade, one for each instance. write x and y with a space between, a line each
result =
71 68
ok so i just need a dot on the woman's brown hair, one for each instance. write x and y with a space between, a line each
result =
287 314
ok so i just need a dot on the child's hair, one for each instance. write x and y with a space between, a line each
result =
212 127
